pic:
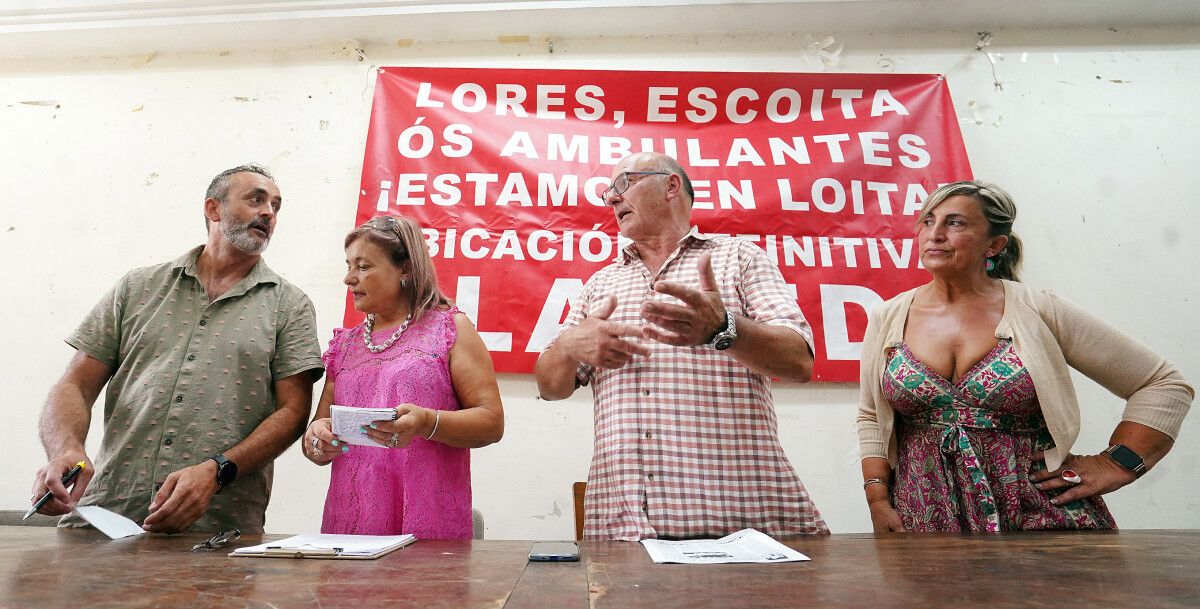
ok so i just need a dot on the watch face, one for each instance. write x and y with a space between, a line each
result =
723 343
226 472
1127 458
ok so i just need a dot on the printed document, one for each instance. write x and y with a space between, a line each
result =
747 545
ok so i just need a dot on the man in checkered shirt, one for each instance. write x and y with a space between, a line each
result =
679 338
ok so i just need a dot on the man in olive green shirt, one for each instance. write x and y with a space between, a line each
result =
210 361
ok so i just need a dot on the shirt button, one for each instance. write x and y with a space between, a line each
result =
649 476
167 442
192 357
647 435
204 322
178 398
646 392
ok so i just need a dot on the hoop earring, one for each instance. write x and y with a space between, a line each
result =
989 264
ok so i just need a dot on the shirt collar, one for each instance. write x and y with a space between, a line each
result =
259 273
629 253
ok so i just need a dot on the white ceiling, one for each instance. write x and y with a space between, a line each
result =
58 28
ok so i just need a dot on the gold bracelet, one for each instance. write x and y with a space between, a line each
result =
870 481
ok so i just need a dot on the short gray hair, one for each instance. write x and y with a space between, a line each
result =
674 167
218 188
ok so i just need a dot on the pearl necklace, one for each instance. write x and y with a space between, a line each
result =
370 327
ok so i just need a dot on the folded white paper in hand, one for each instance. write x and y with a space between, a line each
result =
110 523
347 422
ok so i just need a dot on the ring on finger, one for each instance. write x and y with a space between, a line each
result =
1071 477
394 440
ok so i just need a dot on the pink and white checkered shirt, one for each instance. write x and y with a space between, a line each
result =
686 441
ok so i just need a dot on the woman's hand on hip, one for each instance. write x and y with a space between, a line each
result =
1097 474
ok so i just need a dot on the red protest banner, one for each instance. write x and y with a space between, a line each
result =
504 170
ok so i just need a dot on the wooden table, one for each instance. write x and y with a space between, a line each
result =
49 568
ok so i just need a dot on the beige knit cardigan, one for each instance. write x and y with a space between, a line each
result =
1051 335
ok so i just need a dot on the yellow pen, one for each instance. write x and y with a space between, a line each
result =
66 479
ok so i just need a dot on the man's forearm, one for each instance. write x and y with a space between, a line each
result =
267 441
555 372
278 431
774 351
63 424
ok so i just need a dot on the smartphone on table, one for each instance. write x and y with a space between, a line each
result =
554 551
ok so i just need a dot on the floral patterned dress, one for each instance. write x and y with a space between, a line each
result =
965 449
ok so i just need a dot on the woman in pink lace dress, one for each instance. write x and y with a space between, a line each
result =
420 355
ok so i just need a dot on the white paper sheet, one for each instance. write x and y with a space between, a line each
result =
347 420
347 545
112 524
747 545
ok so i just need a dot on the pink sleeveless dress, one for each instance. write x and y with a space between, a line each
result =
424 488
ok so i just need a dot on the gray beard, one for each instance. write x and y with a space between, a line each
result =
239 236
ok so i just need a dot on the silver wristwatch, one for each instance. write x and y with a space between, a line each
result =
725 337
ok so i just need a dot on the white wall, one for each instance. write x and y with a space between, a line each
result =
1092 133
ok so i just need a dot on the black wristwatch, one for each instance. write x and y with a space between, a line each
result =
725 337
226 471
1126 458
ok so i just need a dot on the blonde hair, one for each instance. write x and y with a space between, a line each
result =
1000 212
401 238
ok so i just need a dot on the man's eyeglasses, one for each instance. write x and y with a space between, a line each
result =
621 183
220 540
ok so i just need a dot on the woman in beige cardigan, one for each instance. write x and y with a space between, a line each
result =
968 413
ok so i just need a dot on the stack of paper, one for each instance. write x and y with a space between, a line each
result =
348 421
